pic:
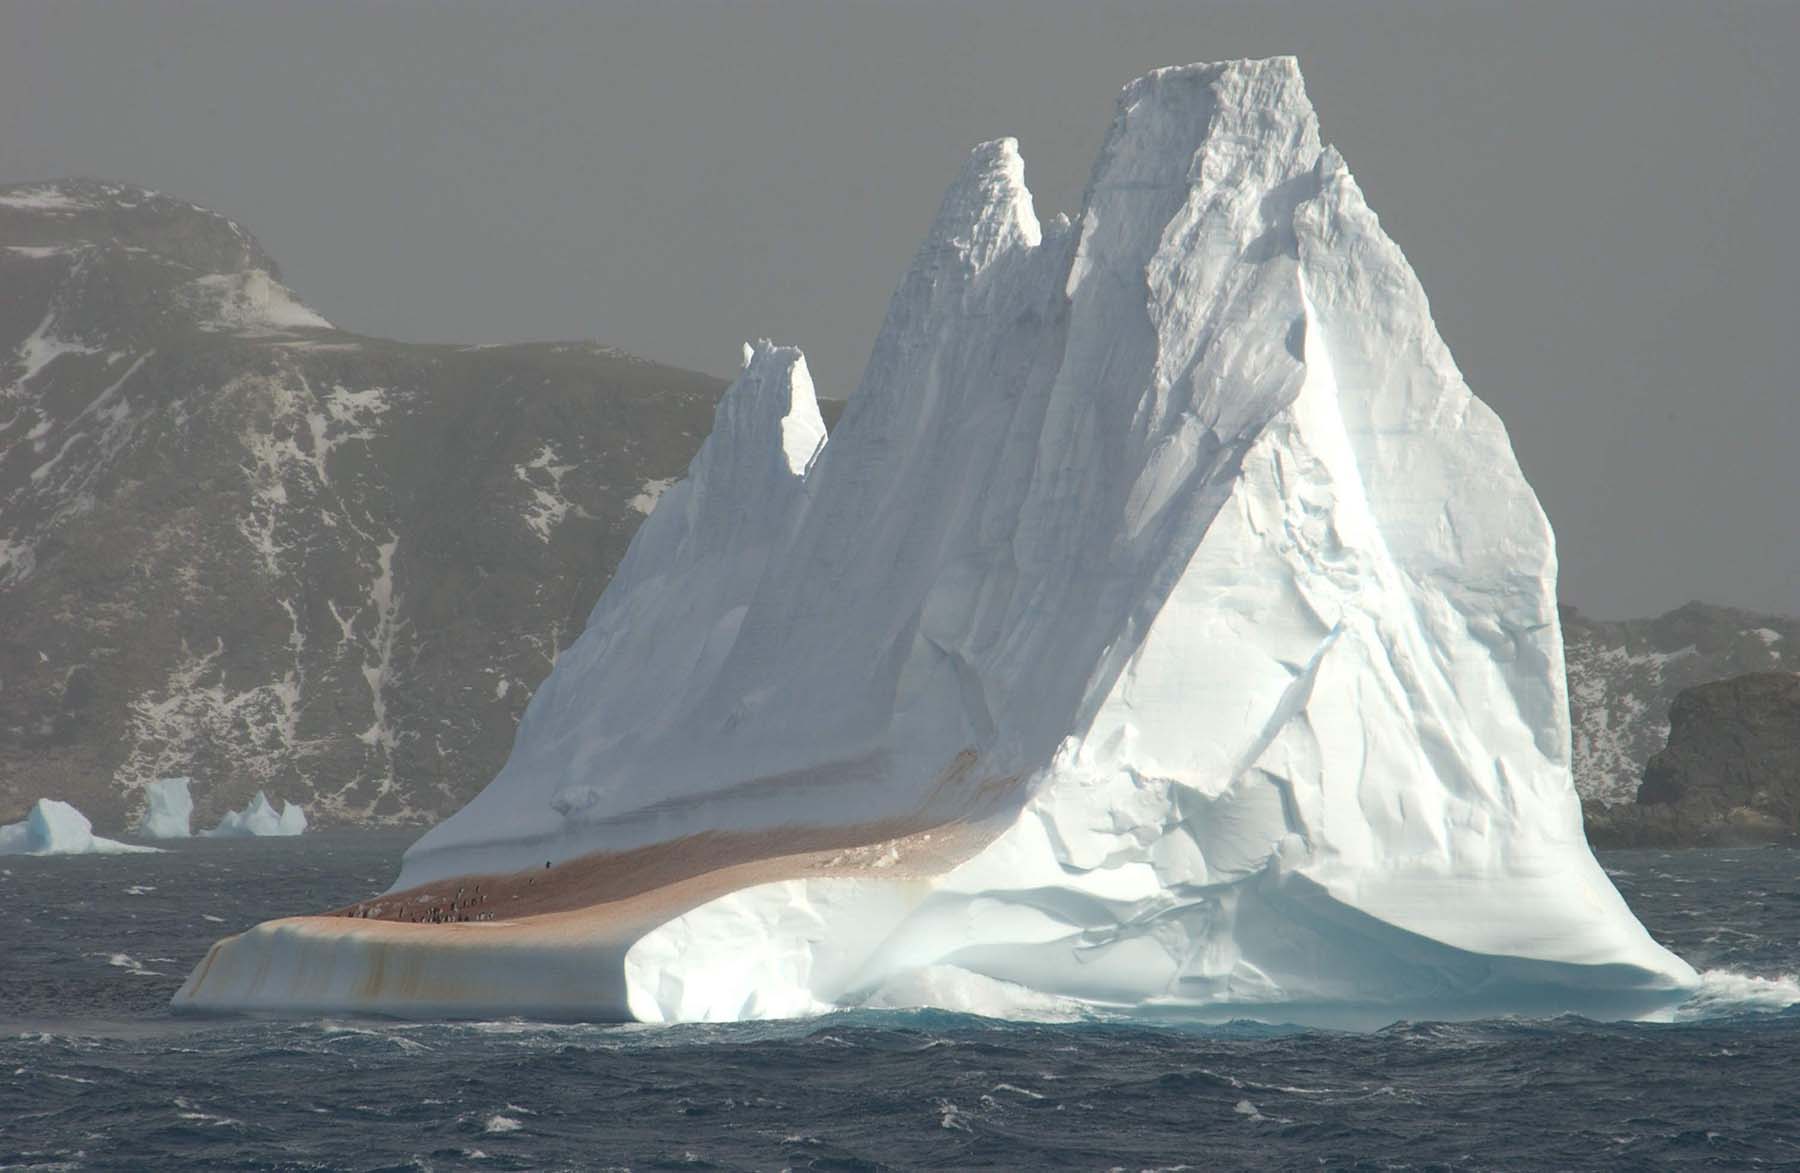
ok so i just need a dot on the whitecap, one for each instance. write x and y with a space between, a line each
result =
191 1111
1723 993
131 965
1016 1090
952 1118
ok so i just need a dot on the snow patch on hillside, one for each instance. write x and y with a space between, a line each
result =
47 198
341 417
644 501
106 424
291 433
196 706
543 476
18 558
42 347
41 252
378 672
252 302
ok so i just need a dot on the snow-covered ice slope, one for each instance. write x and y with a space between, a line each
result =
667 619
56 828
1165 557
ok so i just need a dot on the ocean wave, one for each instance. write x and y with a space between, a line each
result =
1725 993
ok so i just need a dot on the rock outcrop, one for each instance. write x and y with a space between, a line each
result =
1624 675
1729 774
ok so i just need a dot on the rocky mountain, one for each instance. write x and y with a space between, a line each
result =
1624 676
241 544
1730 772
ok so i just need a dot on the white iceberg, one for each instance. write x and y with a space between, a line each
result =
168 809
259 819
1165 630
56 828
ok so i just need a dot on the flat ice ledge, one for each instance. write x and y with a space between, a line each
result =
559 968
566 971
591 964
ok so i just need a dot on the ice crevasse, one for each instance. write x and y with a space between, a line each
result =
1164 629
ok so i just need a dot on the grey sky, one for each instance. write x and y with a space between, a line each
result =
1599 198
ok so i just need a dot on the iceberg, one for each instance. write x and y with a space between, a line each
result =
168 810
56 828
259 819
1165 630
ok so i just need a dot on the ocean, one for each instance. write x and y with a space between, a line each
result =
95 1073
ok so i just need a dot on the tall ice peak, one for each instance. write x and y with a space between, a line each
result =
1166 629
988 208
776 386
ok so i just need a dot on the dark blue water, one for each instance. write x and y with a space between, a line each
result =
95 1074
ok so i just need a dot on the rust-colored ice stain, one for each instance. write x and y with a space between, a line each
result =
455 942
703 865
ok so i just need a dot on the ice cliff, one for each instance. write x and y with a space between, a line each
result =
169 809
1163 569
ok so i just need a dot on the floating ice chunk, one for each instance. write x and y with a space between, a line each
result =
260 819
169 809
56 828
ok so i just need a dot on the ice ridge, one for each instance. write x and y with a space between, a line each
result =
665 622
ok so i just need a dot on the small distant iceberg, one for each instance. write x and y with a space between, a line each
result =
170 812
259 819
56 828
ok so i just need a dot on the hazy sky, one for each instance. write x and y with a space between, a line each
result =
1599 198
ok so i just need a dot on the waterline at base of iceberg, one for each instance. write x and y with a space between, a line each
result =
817 933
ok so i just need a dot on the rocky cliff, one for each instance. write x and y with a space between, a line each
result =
1624 675
241 544
1729 774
